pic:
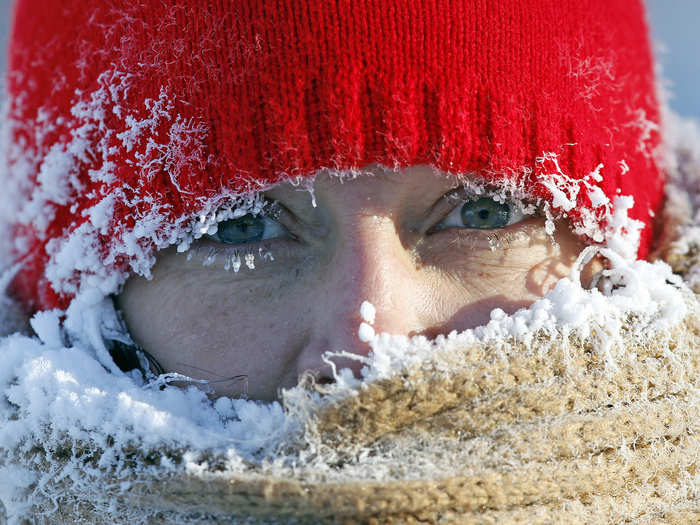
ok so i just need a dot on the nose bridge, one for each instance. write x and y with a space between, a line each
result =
368 263
372 263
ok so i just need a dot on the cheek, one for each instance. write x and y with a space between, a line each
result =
204 324
473 276
487 265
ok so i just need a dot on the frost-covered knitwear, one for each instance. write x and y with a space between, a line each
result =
583 408
138 125
594 421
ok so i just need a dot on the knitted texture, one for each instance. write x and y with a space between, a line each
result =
131 120
501 433
596 424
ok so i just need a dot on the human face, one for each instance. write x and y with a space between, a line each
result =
395 239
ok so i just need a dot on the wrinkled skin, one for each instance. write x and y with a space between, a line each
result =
370 238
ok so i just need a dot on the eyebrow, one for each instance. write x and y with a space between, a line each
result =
440 185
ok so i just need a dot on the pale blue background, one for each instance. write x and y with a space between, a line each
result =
675 23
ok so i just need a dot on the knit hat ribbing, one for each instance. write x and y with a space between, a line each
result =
130 121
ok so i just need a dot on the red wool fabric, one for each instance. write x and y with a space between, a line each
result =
282 88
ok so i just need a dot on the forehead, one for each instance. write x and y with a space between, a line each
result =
372 183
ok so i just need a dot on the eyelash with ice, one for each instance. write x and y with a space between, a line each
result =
239 241
483 213
248 229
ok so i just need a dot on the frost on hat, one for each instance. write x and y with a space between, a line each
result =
133 126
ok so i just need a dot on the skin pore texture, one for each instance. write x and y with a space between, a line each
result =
391 239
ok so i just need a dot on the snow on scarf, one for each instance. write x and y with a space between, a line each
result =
583 408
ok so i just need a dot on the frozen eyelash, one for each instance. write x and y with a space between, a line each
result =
467 193
235 258
502 240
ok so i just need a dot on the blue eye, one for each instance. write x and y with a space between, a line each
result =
248 229
483 213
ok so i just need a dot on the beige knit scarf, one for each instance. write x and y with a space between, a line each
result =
512 434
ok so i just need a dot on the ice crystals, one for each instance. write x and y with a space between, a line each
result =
368 313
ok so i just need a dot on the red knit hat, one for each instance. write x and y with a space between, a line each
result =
131 122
